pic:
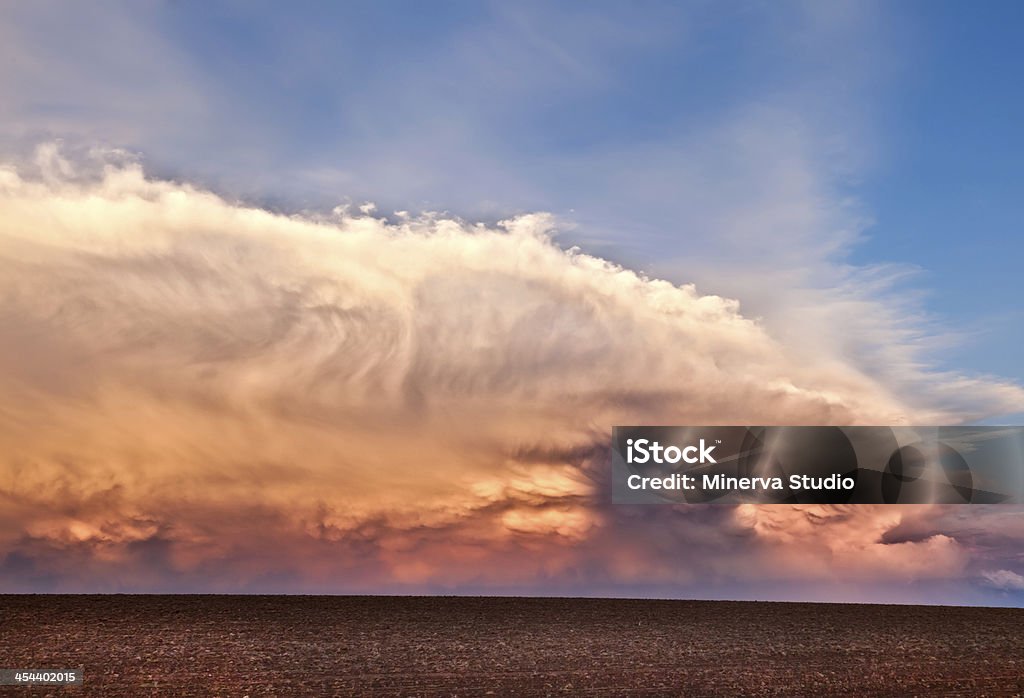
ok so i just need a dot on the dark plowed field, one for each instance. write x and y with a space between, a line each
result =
282 646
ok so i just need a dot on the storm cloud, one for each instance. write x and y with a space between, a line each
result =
200 394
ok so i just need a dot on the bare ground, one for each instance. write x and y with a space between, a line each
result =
443 646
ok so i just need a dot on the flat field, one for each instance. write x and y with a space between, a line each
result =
442 646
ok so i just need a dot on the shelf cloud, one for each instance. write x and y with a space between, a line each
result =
200 394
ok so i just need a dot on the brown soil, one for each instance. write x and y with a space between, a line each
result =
335 645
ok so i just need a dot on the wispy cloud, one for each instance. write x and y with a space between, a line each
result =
1004 579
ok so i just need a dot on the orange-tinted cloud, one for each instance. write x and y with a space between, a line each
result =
198 394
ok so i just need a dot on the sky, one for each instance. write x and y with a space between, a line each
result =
345 297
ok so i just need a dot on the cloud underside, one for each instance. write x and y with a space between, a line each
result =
201 395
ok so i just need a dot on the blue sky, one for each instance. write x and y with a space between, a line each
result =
949 195
849 166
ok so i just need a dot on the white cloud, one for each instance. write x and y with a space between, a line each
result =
1004 579
426 399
